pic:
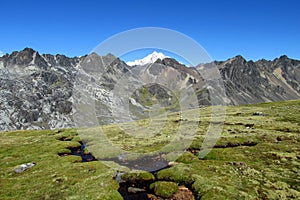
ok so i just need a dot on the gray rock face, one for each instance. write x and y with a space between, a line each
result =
253 82
37 91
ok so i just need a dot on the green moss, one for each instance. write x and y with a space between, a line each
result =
72 144
187 157
137 176
64 151
86 151
71 158
53 177
76 139
164 189
180 173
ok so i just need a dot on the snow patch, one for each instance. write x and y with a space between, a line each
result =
151 58
33 58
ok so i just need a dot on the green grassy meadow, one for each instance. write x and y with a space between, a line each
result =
256 157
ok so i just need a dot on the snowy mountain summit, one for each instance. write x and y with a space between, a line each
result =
151 58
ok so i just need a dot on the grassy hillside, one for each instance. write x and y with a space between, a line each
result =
257 157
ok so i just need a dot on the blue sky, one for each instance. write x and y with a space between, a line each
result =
254 29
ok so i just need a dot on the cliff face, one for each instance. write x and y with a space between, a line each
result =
37 91
253 82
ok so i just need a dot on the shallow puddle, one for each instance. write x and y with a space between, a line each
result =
79 151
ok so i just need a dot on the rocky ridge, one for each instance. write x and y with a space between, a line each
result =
37 91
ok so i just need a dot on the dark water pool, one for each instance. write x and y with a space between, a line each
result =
86 157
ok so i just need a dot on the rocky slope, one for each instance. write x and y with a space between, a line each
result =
37 91
252 82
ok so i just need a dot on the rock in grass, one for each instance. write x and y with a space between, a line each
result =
164 189
23 167
172 163
259 113
135 190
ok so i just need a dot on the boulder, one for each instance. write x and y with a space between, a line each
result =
23 167
259 114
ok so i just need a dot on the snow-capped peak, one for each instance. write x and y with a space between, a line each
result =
151 58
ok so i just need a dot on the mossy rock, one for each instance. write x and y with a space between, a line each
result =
65 136
164 189
76 139
180 173
73 159
187 157
86 151
138 176
72 144
64 151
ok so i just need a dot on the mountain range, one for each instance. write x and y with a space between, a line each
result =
38 91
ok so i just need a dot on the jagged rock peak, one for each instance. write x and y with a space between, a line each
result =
28 50
24 57
283 57
168 61
238 58
110 55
